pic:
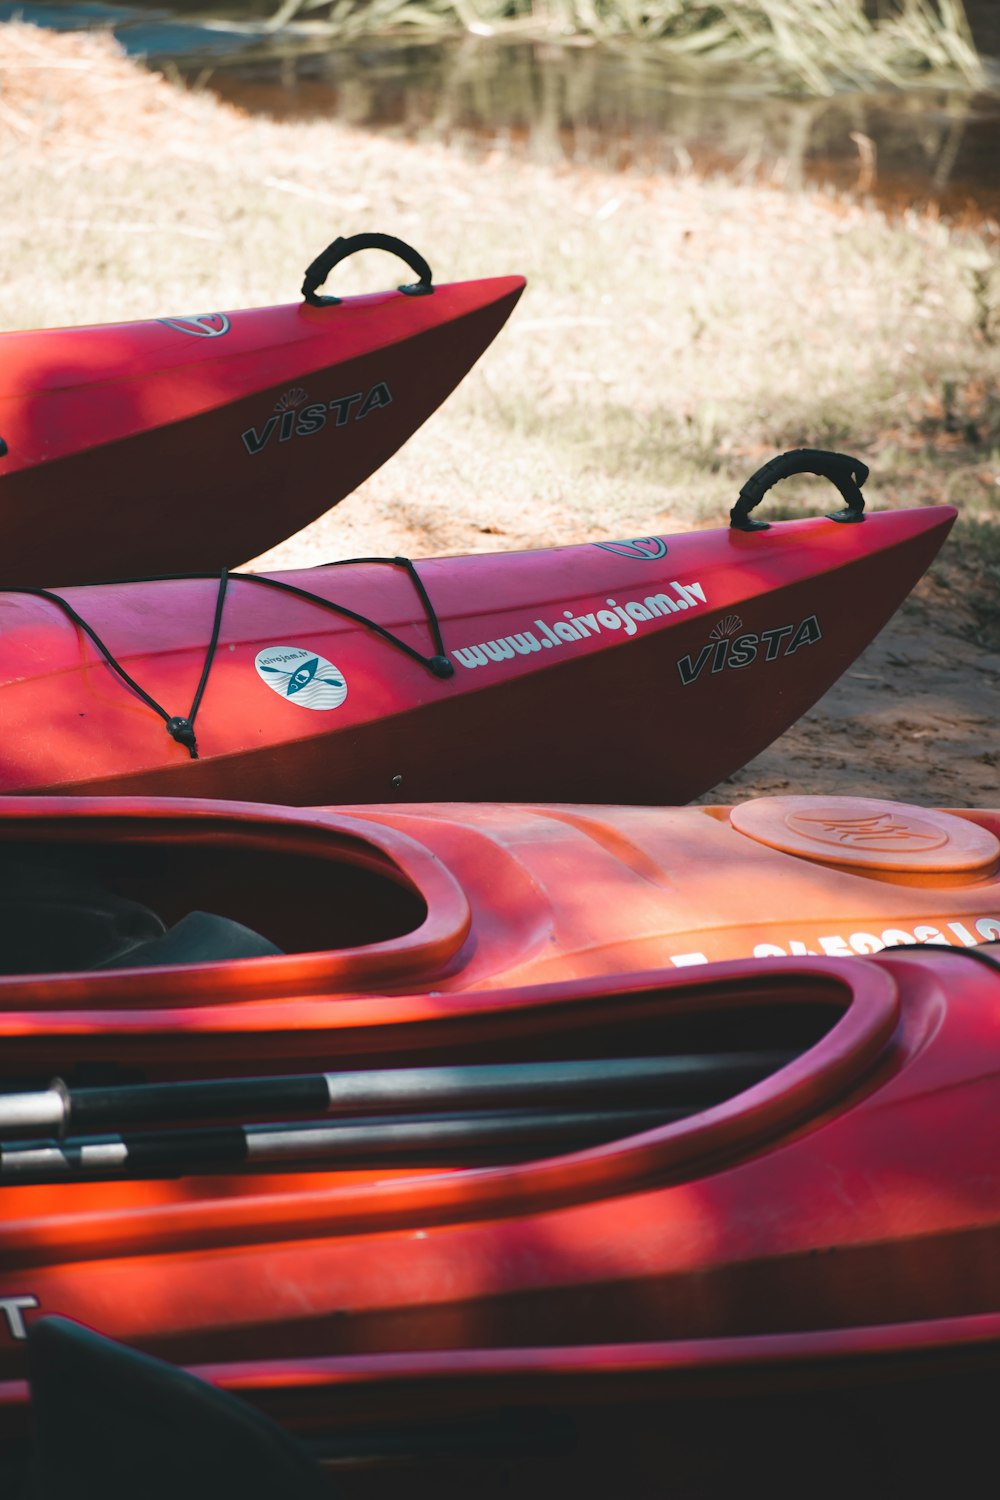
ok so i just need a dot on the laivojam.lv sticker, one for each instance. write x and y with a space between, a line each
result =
301 676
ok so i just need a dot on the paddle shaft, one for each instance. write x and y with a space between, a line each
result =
692 1078
406 1140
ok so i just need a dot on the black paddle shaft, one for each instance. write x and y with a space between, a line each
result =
685 1079
400 1140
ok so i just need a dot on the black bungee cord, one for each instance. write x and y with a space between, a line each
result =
181 726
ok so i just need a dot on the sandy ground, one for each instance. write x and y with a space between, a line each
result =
914 719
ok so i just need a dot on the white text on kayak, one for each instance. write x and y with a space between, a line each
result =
942 934
611 617
13 1309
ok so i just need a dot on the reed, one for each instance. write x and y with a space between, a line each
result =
811 46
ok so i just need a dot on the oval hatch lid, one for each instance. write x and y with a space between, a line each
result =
866 833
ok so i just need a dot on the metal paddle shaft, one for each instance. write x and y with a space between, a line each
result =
403 1140
683 1079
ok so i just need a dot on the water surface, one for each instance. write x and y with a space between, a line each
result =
613 106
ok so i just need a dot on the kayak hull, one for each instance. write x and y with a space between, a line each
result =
638 671
849 1190
604 1419
189 444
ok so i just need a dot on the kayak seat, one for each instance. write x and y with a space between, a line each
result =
198 938
58 919
113 1424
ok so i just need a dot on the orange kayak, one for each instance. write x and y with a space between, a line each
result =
756 1149
309 907
181 444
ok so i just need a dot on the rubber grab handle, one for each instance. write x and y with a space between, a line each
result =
341 248
847 473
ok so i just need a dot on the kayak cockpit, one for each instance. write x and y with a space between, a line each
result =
135 890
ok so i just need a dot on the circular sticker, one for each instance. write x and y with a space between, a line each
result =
305 679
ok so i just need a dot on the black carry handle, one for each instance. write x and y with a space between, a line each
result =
341 248
847 473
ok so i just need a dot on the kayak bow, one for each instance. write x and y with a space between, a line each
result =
191 443
638 671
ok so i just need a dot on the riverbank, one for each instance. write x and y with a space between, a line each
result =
675 333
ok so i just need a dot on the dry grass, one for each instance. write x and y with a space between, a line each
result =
674 334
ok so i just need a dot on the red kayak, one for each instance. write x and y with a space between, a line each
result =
187 443
777 1155
592 1420
181 937
635 671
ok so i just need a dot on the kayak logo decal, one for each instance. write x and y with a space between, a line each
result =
290 399
206 326
293 419
646 548
578 627
728 650
303 677
13 1309
879 831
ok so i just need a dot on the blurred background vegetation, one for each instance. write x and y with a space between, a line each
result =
818 45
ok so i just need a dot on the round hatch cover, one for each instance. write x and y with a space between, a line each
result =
866 833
